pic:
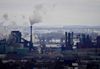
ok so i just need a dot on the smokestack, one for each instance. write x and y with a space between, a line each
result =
31 33
35 18
68 40
66 43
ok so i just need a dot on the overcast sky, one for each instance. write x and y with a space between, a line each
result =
52 12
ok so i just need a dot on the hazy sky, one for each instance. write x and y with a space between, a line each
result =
52 12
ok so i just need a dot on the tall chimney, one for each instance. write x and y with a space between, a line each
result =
31 33
31 41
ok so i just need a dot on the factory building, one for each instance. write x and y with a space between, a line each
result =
14 44
2 45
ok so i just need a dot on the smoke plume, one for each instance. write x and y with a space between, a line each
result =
5 16
36 17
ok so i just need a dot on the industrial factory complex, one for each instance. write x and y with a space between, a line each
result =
71 51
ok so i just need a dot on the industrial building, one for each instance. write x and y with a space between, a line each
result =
72 48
